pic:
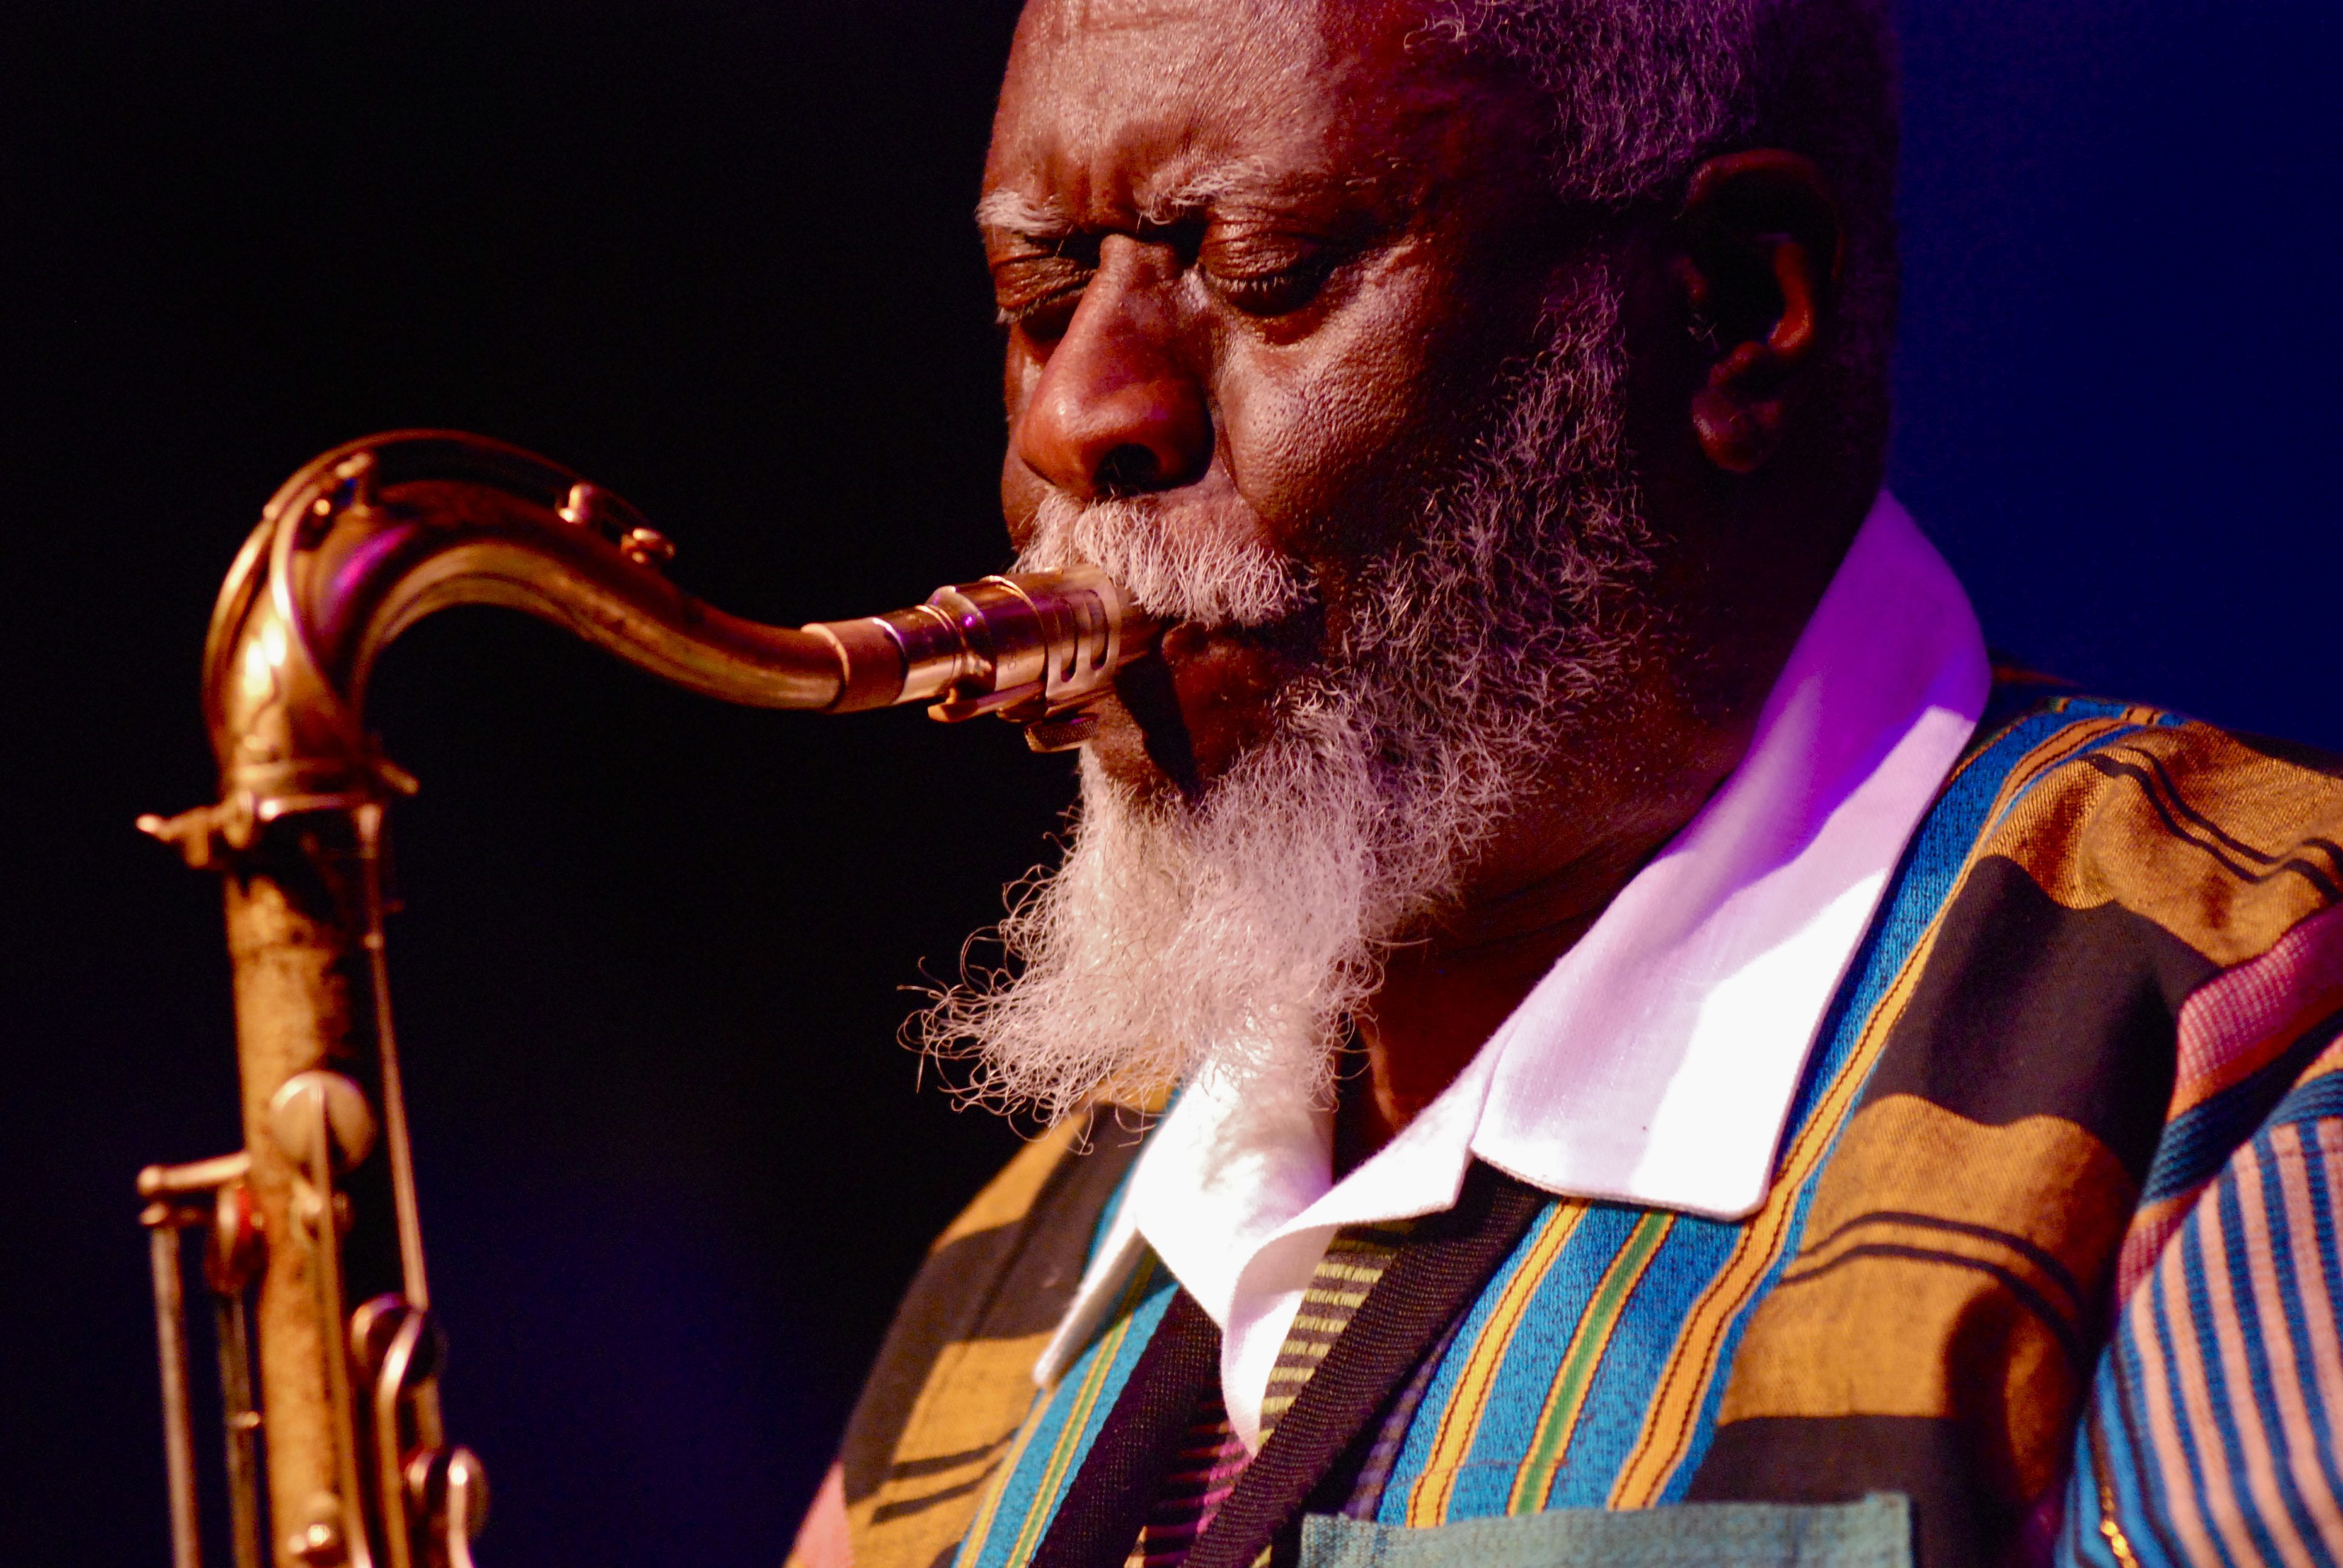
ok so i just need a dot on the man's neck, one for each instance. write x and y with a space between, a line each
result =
1444 996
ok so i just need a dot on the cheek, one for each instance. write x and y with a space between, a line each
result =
1020 488
1020 498
1309 427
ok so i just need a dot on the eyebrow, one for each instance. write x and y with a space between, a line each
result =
1046 218
1014 211
1249 180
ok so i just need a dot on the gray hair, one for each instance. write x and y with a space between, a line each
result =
1642 92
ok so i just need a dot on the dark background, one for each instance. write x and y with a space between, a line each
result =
717 256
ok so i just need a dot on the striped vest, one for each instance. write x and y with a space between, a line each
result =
2050 1268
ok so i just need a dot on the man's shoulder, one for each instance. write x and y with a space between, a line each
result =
2221 840
2088 872
954 1376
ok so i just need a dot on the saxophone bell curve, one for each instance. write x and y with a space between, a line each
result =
315 1256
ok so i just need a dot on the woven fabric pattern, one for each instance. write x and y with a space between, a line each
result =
2051 1248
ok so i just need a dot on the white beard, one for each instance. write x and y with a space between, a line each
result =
1238 932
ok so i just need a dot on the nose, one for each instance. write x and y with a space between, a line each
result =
1115 411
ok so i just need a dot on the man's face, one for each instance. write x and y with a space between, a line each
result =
1261 264
1292 358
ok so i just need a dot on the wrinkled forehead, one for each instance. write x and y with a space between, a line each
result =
1129 110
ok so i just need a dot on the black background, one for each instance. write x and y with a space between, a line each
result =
717 256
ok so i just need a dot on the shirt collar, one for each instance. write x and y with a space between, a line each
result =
1656 1062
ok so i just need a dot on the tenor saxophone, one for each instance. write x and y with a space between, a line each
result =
312 1247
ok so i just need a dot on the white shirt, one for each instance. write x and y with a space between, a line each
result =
1656 1061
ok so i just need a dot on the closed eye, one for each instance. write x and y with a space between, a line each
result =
1268 274
1037 288
1278 293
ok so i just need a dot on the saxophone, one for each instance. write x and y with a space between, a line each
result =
311 1245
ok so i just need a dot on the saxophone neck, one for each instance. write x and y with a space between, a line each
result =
370 537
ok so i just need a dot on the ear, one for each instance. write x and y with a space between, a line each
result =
1759 271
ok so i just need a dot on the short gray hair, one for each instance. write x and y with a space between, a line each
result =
1642 92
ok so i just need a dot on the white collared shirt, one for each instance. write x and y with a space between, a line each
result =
1656 1061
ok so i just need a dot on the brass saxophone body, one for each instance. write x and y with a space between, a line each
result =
312 1242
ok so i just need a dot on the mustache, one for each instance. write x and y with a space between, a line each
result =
1178 569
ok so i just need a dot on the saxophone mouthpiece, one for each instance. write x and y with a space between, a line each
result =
1036 648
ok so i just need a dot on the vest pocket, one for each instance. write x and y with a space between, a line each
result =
1876 1533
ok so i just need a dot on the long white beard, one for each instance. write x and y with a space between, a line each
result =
1237 932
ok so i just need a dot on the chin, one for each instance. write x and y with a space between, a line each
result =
1212 698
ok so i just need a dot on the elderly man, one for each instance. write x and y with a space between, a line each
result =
1581 1023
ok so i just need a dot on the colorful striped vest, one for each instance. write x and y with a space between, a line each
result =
2050 1268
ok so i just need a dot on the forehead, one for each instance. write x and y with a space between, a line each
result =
1119 109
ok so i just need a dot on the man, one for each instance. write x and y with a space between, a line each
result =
1669 1060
